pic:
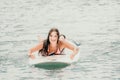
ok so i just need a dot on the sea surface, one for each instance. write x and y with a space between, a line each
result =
93 25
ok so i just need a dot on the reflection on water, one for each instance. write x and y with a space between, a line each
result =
92 25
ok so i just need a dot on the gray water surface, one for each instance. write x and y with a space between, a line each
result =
94 25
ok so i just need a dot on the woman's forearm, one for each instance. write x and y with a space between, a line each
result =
76 49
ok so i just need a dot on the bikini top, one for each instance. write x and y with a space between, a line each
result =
57 52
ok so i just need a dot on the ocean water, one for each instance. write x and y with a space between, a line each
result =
94 25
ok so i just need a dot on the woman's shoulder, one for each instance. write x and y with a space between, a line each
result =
60 41
63 42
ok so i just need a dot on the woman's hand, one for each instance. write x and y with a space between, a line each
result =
31 56
72 56
74 53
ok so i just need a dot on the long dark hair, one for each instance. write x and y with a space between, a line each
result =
46 43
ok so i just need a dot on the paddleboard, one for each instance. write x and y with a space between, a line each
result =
54 61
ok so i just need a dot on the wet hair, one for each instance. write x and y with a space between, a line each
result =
46 43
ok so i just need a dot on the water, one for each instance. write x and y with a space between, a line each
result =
92 24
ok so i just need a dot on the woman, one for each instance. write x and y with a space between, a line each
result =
53 45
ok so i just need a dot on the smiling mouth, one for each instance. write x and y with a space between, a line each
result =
53 40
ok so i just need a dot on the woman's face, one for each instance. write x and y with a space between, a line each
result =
53 37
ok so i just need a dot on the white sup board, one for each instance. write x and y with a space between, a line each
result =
55 61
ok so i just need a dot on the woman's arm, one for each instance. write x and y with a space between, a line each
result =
72 47
36 48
